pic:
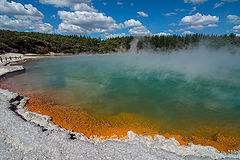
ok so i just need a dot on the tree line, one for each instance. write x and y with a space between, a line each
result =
40 43
176 42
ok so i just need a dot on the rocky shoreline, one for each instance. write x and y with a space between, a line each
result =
29 135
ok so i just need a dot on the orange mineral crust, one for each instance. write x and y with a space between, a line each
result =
117 126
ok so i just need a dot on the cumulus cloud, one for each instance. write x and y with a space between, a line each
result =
23 24
199 21
107 35
236 28
64 3
17 9
132 23
120 3
85 19
139 31
142 14
13 24
138 28
180 30
212 25
196 27
200 27
83 22
195 1
22 17
233 19
187 32
162 34
43 27
198 18
80 5
83 7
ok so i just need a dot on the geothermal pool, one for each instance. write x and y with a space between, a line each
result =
194 97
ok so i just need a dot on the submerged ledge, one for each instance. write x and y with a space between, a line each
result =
31 134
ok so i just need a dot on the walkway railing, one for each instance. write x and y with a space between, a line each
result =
7 59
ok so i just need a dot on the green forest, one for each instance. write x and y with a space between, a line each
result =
40 43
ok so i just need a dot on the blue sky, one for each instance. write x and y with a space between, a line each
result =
109 18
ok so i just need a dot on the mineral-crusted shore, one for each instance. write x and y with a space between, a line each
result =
29 135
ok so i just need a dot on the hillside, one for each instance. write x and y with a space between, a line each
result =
27 42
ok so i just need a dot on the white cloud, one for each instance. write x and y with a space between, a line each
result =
83 7
43 27
138 28
233 19
142 14
216 5
212 25
172 24
22 17
24 24
17 9
180 30
238 35
64 3
196 27
13 24
169 14
120 3
76 5
236 28
222 3
139 31
198 19
83 22
193 10
162 34
187 32
132 23
114 35
200 27
195 1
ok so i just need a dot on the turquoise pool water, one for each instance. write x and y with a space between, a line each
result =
179 89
